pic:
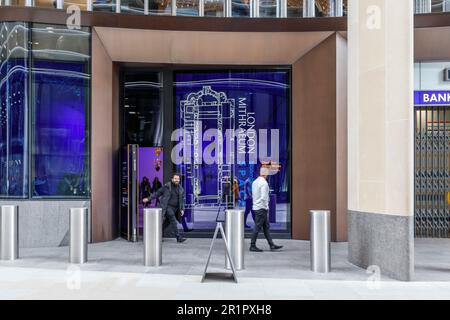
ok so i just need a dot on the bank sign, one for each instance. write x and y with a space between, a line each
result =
431 98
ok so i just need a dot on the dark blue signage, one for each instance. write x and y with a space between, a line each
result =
431 98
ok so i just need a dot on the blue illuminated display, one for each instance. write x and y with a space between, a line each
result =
256 100
13 110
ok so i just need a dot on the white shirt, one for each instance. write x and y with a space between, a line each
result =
260 194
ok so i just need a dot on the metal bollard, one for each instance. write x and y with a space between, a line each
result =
153 237
78 248
320 241
234 232
9 233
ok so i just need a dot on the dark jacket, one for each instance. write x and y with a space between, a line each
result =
164 195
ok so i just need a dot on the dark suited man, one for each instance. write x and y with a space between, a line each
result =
172 203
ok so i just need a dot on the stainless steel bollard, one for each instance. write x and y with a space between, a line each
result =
78 248
9 233
234 231
153 237
320 241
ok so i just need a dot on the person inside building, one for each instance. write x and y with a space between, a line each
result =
260 196
156 185
172 203
146 191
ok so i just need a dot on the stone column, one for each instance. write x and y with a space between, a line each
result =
380 136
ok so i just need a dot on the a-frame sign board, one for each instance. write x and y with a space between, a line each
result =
227 276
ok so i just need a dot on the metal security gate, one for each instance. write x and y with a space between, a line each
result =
432 172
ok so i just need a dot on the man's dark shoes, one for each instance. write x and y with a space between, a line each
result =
189 230
275 247
254 248
180 240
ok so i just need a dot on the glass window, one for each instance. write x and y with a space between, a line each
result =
187 7
60 104
18 3
240 8
268 8
295 8
214 8
104 5
82 4
322 8
132 6
13 109
160 7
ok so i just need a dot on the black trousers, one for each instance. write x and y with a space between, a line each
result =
170 222
248 210
261 222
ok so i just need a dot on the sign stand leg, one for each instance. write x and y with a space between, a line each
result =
219 228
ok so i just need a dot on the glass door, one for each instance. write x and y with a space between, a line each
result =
129 192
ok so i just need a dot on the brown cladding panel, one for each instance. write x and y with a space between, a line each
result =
102 148
314 136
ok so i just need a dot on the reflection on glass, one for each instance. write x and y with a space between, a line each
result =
142 108
160 7
214 8
295 8
268 8
187 7
13 109
60 83
323 8
132 6
17 3
233 100
240 8
45 3
104 5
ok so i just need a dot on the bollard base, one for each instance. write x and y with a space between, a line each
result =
218 276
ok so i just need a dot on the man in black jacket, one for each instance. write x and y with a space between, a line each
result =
172 204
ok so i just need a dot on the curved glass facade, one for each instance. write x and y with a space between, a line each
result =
14 67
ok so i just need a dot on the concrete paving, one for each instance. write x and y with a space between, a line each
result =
115 271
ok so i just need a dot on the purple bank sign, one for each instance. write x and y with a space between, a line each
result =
431 98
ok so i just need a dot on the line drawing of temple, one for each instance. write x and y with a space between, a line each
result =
215 110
